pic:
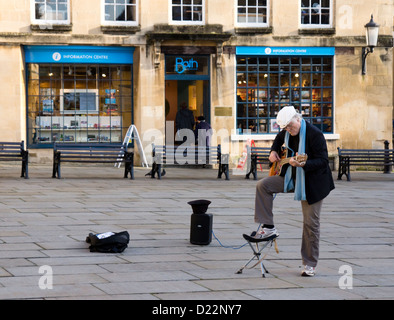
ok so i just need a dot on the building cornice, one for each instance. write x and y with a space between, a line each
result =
165 32
184 36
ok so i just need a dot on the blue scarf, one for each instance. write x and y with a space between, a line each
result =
299 190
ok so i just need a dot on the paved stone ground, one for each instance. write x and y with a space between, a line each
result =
45 221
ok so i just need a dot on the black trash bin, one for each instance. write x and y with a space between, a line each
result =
201 223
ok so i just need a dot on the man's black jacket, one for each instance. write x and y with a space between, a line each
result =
318 176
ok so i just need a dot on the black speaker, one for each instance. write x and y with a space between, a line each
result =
201 228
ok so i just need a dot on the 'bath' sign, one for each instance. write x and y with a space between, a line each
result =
182 65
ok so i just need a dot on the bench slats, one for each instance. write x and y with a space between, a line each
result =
258 156
368 157
191 155
92 153
15 151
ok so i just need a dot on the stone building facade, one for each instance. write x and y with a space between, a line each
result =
83 71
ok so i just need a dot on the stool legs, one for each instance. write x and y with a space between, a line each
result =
257 250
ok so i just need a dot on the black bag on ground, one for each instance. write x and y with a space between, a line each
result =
110 242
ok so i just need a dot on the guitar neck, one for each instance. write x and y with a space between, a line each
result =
284 161
287 160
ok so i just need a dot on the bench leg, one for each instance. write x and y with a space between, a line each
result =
25 165
129 166
348 173
339 173
56 165
226 171
54 170
152 173
254 168
224 167
251 171
344 168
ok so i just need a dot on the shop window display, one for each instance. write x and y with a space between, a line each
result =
266 84
78 103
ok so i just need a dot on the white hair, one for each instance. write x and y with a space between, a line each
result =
296 116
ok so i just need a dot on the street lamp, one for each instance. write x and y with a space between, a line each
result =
372 40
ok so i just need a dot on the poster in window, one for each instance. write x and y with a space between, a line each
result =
305 95
262 95
79 101
274 125
110 96
47 106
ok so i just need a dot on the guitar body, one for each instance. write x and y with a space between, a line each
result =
277 166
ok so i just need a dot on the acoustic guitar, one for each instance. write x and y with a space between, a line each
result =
276 167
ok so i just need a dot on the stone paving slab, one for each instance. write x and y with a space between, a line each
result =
45 221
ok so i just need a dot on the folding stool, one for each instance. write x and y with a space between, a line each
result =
258 245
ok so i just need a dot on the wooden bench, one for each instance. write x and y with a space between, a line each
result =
15 151
258 156
92 153
188 156
364 157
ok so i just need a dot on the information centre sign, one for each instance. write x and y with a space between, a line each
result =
79 54
286 51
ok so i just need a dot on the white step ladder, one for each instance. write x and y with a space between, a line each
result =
132 134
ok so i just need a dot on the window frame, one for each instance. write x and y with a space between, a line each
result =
257 113
187 22
34 20
315 25
56 91
253 24
105 22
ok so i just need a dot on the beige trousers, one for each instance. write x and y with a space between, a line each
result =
265 190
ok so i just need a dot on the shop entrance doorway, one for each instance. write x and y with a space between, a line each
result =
193 94
186 87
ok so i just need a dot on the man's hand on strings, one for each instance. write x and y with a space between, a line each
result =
274 157
293 162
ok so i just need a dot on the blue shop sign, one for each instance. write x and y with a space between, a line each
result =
286 51
182 65
187 67
79 54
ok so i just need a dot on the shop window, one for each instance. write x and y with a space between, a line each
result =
78 103
51 11
187 11
120 12
267 84
316 13
252 13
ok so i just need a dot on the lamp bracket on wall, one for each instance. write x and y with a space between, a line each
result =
365 52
